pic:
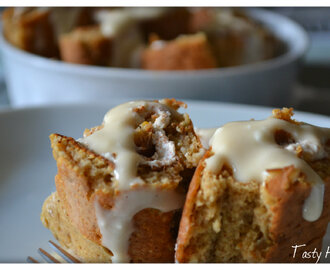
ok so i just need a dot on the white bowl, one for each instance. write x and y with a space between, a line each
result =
33 80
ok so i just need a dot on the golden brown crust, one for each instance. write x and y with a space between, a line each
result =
85 178
55 218
284 114
73 190
86 45
229 43
288 227
184 251
32 31
37 31
283 196
153 229
74 186
185 53
152 241
276 225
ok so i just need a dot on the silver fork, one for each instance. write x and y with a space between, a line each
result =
50 259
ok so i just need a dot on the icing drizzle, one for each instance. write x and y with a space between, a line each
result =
115 141
250 148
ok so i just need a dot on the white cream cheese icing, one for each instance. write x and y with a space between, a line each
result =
113 22
115 141
225 17
127 41
158 44
205 135
250 148
116 225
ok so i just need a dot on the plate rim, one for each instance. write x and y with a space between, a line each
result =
230 105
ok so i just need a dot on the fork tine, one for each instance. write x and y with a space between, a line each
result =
31 260
64 254
47 257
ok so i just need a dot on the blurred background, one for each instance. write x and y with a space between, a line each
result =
311 88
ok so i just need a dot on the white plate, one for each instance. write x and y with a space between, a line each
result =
27 168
